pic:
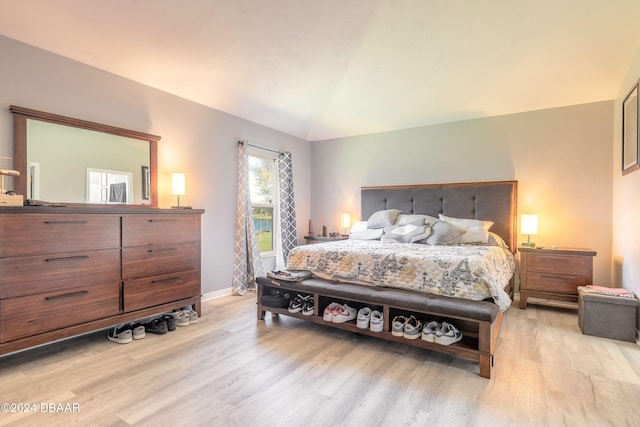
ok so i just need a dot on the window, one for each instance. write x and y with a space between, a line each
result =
263 187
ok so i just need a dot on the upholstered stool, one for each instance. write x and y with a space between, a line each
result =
607 316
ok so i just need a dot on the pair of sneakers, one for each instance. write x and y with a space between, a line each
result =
370 319
185 317
339 313
124 334
407 327
441 333
302 303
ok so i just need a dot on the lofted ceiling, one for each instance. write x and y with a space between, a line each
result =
332 68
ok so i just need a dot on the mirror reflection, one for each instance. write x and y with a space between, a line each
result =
73 165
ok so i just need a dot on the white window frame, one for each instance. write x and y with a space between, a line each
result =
274 203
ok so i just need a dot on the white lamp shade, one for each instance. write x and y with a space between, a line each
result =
529 224
178 184
345 220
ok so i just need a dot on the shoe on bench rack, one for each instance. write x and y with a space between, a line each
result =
345 314
377 321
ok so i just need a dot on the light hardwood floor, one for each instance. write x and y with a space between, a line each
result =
232 370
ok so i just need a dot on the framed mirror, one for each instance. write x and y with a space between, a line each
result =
71 161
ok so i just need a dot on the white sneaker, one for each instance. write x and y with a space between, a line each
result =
328 311
345 314
182 318
364 315
413 328
377 321
447 334
429 331
397 326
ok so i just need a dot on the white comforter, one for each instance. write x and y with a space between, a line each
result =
467 271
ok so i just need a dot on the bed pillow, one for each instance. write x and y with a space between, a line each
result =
411 218
475 230
381 219
443 233
368 234
358 226
407 233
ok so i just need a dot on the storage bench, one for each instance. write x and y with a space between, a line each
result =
607 316
478 320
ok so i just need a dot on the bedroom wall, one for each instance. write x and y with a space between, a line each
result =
561 158
195 139
626 199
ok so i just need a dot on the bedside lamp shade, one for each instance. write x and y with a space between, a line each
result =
529 226
178 182
345 221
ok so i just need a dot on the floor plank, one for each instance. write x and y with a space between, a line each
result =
230 369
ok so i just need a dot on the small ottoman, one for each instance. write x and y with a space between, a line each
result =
607 316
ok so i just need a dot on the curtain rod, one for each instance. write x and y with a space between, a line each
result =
261 148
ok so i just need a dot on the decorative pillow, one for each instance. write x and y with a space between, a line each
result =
368 234
383 219
443 233
475 230
410 218
358 226
407 233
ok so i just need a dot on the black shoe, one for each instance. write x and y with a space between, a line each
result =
156 326
171 321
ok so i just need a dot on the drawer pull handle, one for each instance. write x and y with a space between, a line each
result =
162 220
71 295
68 258
162 250
170 279
66 222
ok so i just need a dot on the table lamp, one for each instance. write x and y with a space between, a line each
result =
178 186
345 222
529 226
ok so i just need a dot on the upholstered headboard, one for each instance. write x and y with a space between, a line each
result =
490 201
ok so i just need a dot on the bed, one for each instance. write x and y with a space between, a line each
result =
468 283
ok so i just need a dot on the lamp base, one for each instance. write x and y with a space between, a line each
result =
529 245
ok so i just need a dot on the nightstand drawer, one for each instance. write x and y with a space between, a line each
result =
554 263
554 283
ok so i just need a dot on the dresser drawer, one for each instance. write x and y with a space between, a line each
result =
47 273
142 230
32 234
150 291
31 315
555 283
144 261
556 264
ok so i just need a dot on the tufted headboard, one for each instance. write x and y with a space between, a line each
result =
493 201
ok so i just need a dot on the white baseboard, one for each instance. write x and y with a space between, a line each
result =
216 294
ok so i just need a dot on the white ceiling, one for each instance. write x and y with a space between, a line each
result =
330 68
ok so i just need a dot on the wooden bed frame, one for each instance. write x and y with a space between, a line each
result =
479 320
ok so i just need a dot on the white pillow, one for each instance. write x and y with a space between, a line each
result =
475 230
410 218
358 226
367 234
407 233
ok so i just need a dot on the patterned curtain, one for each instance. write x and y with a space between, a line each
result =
288 229
247 264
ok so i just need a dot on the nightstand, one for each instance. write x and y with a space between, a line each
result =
321 239
554 274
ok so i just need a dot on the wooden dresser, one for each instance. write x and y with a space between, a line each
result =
70 270
554 274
